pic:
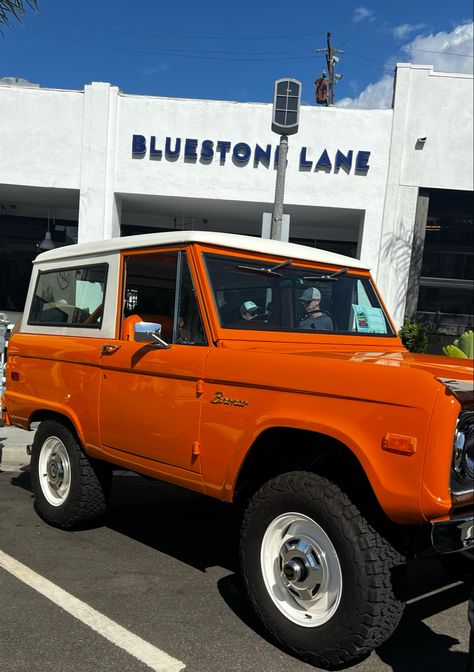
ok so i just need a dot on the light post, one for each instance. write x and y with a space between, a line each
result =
285 121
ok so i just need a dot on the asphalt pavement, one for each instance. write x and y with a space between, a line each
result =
162 565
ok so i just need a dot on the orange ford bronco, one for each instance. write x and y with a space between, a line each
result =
261 373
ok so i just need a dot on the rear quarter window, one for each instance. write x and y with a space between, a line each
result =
71 297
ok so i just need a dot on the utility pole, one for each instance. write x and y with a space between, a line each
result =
331 60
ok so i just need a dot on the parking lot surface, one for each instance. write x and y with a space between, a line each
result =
161 568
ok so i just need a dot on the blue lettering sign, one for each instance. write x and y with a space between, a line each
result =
190 148
262 155
207 151
362 159
138 144
157 153
223 147
343 160
241 153
304 163
324 162
172 153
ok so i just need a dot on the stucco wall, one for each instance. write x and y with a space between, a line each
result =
320 128
438 107
40 137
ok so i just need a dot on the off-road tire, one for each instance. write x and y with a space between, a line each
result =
70 489
364 612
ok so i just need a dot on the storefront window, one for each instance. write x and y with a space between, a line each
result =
448 248
447 270
19 245
455 301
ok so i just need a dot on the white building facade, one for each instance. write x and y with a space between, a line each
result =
95 164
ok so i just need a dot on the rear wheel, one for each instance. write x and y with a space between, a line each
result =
318 575
68 486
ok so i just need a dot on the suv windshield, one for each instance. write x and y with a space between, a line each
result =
258 295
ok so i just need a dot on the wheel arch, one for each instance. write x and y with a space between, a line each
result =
281 449
41 415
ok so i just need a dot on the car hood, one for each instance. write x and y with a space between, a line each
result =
392 376
436 365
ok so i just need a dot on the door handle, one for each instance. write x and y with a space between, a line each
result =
110 348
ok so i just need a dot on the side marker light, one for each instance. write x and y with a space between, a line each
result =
399 443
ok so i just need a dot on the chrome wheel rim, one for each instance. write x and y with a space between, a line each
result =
54 471
301 570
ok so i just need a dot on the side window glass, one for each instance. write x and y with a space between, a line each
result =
150 290
71 297
190 327
150 296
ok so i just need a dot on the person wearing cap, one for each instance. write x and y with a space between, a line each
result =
249 310
313 317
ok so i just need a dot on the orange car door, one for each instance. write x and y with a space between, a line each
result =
150 402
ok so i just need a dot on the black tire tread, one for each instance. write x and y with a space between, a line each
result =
89 500
381 613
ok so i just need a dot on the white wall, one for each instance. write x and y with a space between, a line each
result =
82 140
40 137
99 210
438 106
249 122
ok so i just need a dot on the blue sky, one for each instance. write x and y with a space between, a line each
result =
235 50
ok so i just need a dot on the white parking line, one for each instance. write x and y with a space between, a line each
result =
155 658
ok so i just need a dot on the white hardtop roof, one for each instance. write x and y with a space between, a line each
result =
229 240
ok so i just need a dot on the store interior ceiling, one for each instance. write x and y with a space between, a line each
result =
170 212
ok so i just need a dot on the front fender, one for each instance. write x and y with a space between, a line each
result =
230 434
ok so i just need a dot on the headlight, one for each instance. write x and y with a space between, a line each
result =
463 452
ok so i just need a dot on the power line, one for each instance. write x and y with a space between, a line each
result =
184 53
374 60
426 51
188 36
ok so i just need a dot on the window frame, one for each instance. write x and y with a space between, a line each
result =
66 325
241 258
178 281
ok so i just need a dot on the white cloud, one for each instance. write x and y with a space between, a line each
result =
375 96
363 14
446 52
154 70
401 32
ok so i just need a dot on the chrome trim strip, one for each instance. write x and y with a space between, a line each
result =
462 498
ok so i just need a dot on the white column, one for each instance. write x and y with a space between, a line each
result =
398 223
99 208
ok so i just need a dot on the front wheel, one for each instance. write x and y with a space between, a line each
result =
317 574
69 487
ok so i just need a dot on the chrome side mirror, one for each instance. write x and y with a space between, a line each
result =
149 332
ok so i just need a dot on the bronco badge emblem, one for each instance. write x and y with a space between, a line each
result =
220 398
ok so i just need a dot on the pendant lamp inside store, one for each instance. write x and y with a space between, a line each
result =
47 243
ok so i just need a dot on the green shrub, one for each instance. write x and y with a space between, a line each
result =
414 336
462 346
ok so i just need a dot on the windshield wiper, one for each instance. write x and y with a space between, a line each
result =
266 271
331 276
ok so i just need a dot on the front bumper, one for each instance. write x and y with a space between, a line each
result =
453 533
